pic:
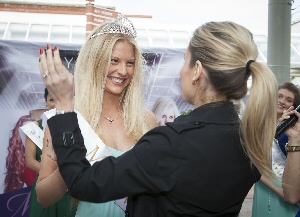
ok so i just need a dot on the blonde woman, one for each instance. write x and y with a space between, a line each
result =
109 87
202 164
165 110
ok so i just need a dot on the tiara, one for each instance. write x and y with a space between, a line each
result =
120 25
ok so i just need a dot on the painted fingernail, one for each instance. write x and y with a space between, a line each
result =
48 46
55 48
41 51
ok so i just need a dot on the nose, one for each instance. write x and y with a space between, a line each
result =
122 70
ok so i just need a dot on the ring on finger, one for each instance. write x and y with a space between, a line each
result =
46 74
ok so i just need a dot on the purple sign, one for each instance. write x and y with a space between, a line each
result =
15 203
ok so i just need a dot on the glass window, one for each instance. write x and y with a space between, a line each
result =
180 38
38 32
159 38
78 34
2 29
142 37
17 31
60 33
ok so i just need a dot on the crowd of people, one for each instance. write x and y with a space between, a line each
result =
116 158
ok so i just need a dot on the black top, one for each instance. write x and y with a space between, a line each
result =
195 166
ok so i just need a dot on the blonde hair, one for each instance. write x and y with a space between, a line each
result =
91 71
164 102
224 48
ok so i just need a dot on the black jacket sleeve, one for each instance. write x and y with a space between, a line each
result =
152 166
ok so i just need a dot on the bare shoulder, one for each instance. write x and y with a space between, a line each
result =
150 120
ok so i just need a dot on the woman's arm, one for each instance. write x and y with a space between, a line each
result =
291 174
112 178
291 177
270 184
50 186
30 155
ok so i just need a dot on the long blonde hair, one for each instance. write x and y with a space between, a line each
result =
224 48
91 71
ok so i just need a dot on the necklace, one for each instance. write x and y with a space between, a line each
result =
110 120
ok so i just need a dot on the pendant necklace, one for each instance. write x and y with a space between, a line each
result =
110 120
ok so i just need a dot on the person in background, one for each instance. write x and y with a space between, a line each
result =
17 174
165 110
202 164
33 157
268 197
108 89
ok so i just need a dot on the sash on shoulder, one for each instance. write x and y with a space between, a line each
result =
96 149
34 132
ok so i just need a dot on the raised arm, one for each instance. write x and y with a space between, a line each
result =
291 175
50 186
134 172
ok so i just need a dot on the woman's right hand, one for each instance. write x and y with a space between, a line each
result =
293 132
58 80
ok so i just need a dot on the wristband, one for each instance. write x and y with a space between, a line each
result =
292 148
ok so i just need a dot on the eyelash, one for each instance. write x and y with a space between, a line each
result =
115 62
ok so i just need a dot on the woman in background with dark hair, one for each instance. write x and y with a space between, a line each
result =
33 158
268 195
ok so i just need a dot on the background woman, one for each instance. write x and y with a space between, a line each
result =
33 157
16 171
268 195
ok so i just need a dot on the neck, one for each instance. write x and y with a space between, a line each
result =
110 102
111 106
210 100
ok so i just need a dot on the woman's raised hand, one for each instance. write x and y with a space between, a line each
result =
58 80
293 132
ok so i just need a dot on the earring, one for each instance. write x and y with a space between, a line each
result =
195 82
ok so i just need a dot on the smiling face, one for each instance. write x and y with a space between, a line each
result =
121 69
285 100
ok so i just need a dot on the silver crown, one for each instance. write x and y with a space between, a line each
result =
120 25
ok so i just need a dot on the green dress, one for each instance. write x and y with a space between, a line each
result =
63 208
265 201
108 209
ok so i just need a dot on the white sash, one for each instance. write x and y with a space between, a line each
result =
278 160
34 132
96 149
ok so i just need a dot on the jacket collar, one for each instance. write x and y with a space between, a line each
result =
222 113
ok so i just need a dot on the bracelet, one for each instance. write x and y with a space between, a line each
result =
60 112
292 148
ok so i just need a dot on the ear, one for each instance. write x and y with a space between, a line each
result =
198 71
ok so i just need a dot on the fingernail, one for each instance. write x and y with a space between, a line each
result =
48 46
55 48
41 51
